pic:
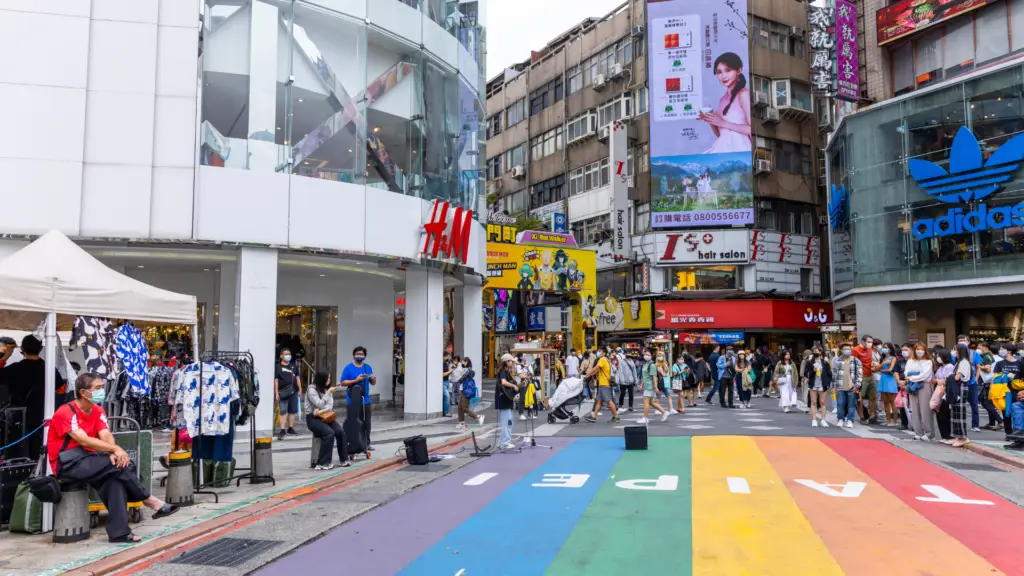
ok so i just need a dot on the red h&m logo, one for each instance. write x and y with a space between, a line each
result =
438 239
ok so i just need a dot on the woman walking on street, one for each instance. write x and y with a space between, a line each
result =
887 386
957 395
746 380
939 403
819 381
650 380
920 385
626 379
679 372
785 376
664 381
462 374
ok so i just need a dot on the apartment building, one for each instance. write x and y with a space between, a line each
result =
547 149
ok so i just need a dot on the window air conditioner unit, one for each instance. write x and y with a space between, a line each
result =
760 99
617 71
796 31
603 132
599 82
638 30
519 171
763 166
770 116
764 204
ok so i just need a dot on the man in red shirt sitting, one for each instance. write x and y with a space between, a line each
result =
78 431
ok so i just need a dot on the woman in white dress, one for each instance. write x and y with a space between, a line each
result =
785 377
730 121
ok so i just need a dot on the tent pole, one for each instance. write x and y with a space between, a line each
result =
50 363
195 342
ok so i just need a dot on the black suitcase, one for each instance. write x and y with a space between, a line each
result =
353 425
636 437
12 473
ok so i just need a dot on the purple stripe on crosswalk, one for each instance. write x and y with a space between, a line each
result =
385 540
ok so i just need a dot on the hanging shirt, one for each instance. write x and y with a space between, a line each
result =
96 336
132 352
220 388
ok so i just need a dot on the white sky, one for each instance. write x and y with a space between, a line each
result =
515 27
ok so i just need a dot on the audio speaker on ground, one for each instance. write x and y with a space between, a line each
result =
636 437
416 450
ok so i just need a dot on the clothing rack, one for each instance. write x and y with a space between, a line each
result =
223 356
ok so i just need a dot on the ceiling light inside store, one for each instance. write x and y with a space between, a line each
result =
141 266
300 99
206 269
376 129
323 275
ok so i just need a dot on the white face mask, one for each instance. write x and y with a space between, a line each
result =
906 353
919 353
647 357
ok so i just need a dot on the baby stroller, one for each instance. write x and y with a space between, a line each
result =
569 391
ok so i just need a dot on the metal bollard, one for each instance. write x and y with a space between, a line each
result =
264 461
71 514
179 479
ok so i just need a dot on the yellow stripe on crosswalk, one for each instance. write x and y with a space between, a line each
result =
756 529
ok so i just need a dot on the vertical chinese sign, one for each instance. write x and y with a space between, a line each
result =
847 61
821 18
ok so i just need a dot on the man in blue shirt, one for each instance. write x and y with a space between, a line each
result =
713 365
359 372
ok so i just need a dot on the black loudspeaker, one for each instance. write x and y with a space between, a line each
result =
636 437
416 450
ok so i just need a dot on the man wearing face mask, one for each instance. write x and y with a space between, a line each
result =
82 450
359 372
287 386
865 352
847 373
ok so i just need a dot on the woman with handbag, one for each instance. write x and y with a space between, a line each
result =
818 374
463 380
82 450
785 376
887 386
920 386
746 380
958 394
322 422
938 403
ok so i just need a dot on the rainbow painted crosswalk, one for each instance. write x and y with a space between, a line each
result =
705 506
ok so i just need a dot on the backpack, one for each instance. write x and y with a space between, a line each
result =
469 389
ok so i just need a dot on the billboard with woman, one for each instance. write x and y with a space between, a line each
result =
701 153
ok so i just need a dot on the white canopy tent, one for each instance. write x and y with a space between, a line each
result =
55 279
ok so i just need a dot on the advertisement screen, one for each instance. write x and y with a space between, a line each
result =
541 268
701 153
901 18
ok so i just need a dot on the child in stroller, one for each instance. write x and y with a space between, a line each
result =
569 392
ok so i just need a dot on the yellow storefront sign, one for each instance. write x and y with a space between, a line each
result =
541 268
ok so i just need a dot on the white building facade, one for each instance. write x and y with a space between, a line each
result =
276 158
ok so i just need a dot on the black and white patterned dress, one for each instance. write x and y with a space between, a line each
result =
96 336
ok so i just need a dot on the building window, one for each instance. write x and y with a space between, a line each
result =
592 230
494 168
807 224
761 84
643 158
791 157
575 79
515 113
581 126
805 281
545 96
766 220
694 278
775 36
614 283
515 157
641 100
576 181
616 109
642 218
801 96
547 192
494 126
546 144
517 203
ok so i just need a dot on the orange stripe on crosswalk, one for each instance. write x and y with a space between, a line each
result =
868 530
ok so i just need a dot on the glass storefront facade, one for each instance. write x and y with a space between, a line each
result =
310 88
872 242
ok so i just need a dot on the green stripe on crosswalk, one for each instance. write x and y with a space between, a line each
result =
621 521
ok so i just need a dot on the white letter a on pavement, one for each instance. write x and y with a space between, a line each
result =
666 483
849 490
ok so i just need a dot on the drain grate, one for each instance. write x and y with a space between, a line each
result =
225 552
973 467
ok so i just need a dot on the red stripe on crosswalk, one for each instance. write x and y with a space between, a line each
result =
989 530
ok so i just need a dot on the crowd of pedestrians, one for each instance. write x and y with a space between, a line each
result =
938 394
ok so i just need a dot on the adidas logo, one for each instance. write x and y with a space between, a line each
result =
837 207
970 179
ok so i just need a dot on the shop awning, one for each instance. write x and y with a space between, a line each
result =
53 274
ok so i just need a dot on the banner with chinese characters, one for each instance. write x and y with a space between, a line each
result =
701 154
822 42
847 60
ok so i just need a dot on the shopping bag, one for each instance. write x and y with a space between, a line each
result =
27 513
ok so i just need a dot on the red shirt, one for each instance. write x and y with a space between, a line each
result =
71 417
866 357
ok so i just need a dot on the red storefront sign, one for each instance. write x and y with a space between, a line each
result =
449 239
741 314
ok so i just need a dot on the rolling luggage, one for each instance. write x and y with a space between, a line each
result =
353 425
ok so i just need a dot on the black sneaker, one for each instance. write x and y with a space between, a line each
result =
1019 445
614 420
280 435
292 432
590 418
